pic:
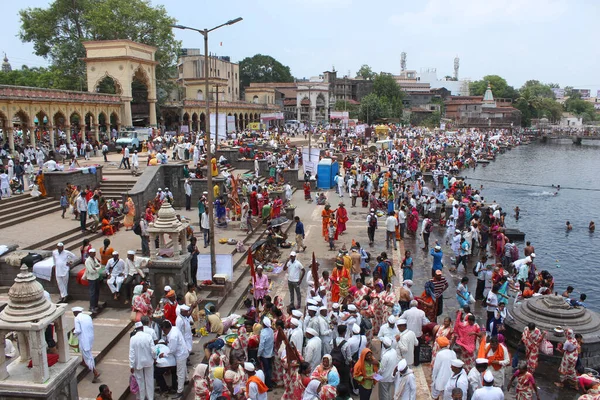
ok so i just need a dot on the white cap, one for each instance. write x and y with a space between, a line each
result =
313 308
457 363
532 255
312 302
138 325
457 231
317 298
116 253
438 247
528 259
401 321
168 288
351 307
391 319
386 341
297 313
294 321
488 377
259 267
312 331
184 307
372 210
159 189
249 366
293 254
335 305
91 250
322 309
131 252
266 321
321 288
60 244
77 309
355 329
402 365
481 361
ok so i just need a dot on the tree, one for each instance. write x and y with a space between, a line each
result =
538 89
580 107
57 33
370 108
262 68
385 85
366 73
352 109
500 87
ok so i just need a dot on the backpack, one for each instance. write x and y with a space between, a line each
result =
429 227
365 325
373 221
137 228
337 356
356 355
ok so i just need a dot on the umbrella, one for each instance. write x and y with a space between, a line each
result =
258 243
278 221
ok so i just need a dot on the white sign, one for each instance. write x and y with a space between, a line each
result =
224 265
222 126
230 124
310 166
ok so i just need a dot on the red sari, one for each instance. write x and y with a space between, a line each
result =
341 218
276 210
466 340
336 276
413 221
254 203
532 341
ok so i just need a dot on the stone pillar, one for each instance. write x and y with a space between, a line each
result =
23 346
51 136
68 134
31 130
11 139
3 370
96 129
152 105
312 113
61 340
127 117
298 113
38 356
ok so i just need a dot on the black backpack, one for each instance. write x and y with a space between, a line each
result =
373 221
337 356
137 229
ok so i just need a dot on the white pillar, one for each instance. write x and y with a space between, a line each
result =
38 356
127 117
61 340
152 104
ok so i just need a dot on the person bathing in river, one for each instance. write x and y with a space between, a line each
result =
517 211
569 226
592 226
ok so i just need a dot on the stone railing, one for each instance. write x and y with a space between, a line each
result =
31 93
56 181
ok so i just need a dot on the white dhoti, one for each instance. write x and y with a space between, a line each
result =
63 285
88 359
114 283
181 374
145 381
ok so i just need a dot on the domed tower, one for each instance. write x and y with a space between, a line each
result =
6 65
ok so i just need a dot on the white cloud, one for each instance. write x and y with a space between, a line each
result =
467 14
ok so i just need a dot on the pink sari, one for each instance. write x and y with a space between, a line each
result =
465 339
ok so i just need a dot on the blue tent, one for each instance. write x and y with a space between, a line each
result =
326 171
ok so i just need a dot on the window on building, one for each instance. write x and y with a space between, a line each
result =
228 90
218 72
199 95
255 99
228 74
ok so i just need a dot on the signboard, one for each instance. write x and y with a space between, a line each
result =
360 129
183 129
271 116
559 93
230 124
338 115
584 93
598 93
224 265
222 126
310 166
255 126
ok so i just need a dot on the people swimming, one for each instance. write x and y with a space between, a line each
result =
569 226
592 226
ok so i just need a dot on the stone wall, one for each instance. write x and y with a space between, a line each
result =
146 187
199 186
57 181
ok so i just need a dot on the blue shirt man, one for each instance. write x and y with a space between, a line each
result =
92 207
299 228
437 255
265 350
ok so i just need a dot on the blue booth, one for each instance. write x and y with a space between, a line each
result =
326 171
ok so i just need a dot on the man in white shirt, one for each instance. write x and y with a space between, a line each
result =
183 324
488 391
145 320
165 362
256 390
312 351
178 348
458 379
187 186
84 330
82 206
63 260
135 161
141 361
296 273
296 334
407 341
402 221
133 274
405 382
441 369
389 330
115 273
475 375
390 230
389 361
356 343
92 275
415 319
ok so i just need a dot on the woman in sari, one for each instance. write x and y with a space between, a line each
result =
276 210
40 180
191 300
200 378
213 167
306 190
254 202
413 221
340 277
428 305
235 377
322 371
129 215
363 372
445 330
570 349
466 334
240 344
244 211
526 386
107 227
312 390
326 215
85 249
388 299
295 379
329 389
341 218
218 385
589 385
141 302
407 266
253 342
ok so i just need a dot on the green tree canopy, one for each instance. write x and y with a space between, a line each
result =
500 87
538 89
352 109
585 109
34 77
370 109
365 72
262 68
57 33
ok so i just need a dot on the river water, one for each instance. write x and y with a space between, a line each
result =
571 257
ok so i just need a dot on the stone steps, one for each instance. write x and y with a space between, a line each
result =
27 209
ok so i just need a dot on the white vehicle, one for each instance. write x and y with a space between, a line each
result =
132 137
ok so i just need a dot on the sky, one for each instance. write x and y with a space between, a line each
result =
548 40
